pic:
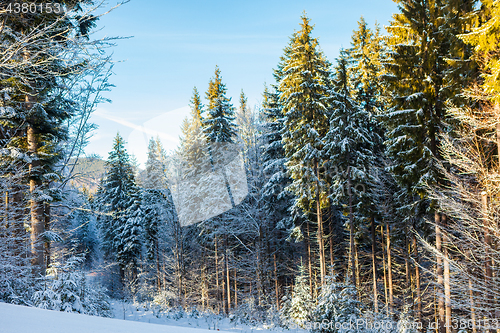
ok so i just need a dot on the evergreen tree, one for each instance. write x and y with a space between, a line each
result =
42 54
339 306
119 198
246 123
84 238
365 57
298 308
303 89
157 206
350 144
218 123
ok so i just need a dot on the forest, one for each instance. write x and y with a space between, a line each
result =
363 188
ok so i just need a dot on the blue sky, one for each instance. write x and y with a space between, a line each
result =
175 46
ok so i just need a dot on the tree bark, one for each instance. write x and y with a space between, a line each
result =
276 289
217 294
309 259
351 228
228 281
330 229
389 270
472 307
374 266
235 290
36 207
446 278
384 267
439 272
417 279
319 216
488 276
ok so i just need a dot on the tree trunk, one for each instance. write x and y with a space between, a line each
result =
417 279
36 207
446 278
488 276
235 290
309 259
384 267
439 272
276 289
374 266
47 228
472 307
319 216
389 270
351 228
330 230
217 293
228 281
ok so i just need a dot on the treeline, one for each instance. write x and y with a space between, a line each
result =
370 185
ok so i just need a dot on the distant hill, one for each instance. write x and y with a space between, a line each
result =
88 172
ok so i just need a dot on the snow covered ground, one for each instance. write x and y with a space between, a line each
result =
22 319
140 312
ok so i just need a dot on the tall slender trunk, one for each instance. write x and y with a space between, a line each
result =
228 281
389 270
217 293
46 216
472 307
319 215
36 207
351 228
446 278
157 262
276 289
309 259
407 266
439 272
488 276
330 239
18 211
374 265
417 279
235 290
386 297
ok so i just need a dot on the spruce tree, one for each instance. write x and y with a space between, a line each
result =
219 121
303 89
350 144
42 54
157 207
118 196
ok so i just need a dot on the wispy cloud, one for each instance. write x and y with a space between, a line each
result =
140 128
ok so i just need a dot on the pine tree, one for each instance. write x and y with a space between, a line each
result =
302 90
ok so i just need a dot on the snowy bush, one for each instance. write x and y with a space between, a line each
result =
67 289
297 309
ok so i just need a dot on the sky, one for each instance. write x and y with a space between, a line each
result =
175 46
